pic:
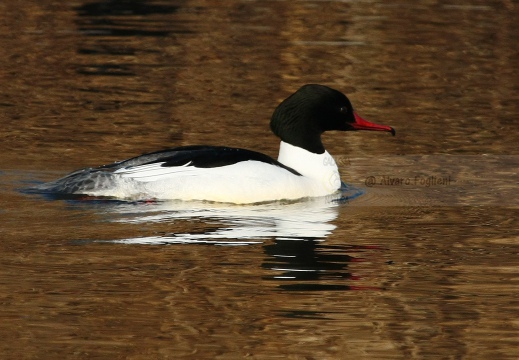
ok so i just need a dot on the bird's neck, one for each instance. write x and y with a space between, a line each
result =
305 162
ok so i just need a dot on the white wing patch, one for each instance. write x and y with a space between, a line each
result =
155 171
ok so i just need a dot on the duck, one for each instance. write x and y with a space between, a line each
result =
303 169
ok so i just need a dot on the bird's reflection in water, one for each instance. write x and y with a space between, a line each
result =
311 265
236 224
293 235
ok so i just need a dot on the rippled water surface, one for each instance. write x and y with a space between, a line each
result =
419 260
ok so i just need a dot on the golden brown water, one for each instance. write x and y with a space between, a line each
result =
420 264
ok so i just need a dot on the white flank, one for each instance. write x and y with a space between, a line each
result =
244 182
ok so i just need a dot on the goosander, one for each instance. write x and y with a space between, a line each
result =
233 175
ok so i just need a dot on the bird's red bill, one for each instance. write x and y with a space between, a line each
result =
361 124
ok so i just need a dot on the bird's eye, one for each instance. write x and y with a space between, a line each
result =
343 110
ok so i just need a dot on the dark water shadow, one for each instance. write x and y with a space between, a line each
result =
312 265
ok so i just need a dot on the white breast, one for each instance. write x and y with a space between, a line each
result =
321 168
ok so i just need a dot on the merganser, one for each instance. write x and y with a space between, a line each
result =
232 175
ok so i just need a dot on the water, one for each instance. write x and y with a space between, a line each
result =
420 262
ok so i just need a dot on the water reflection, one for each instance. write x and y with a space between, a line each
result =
293 235
111 28
124 18
314 265
227 224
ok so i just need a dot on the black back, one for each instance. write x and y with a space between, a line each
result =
200 156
